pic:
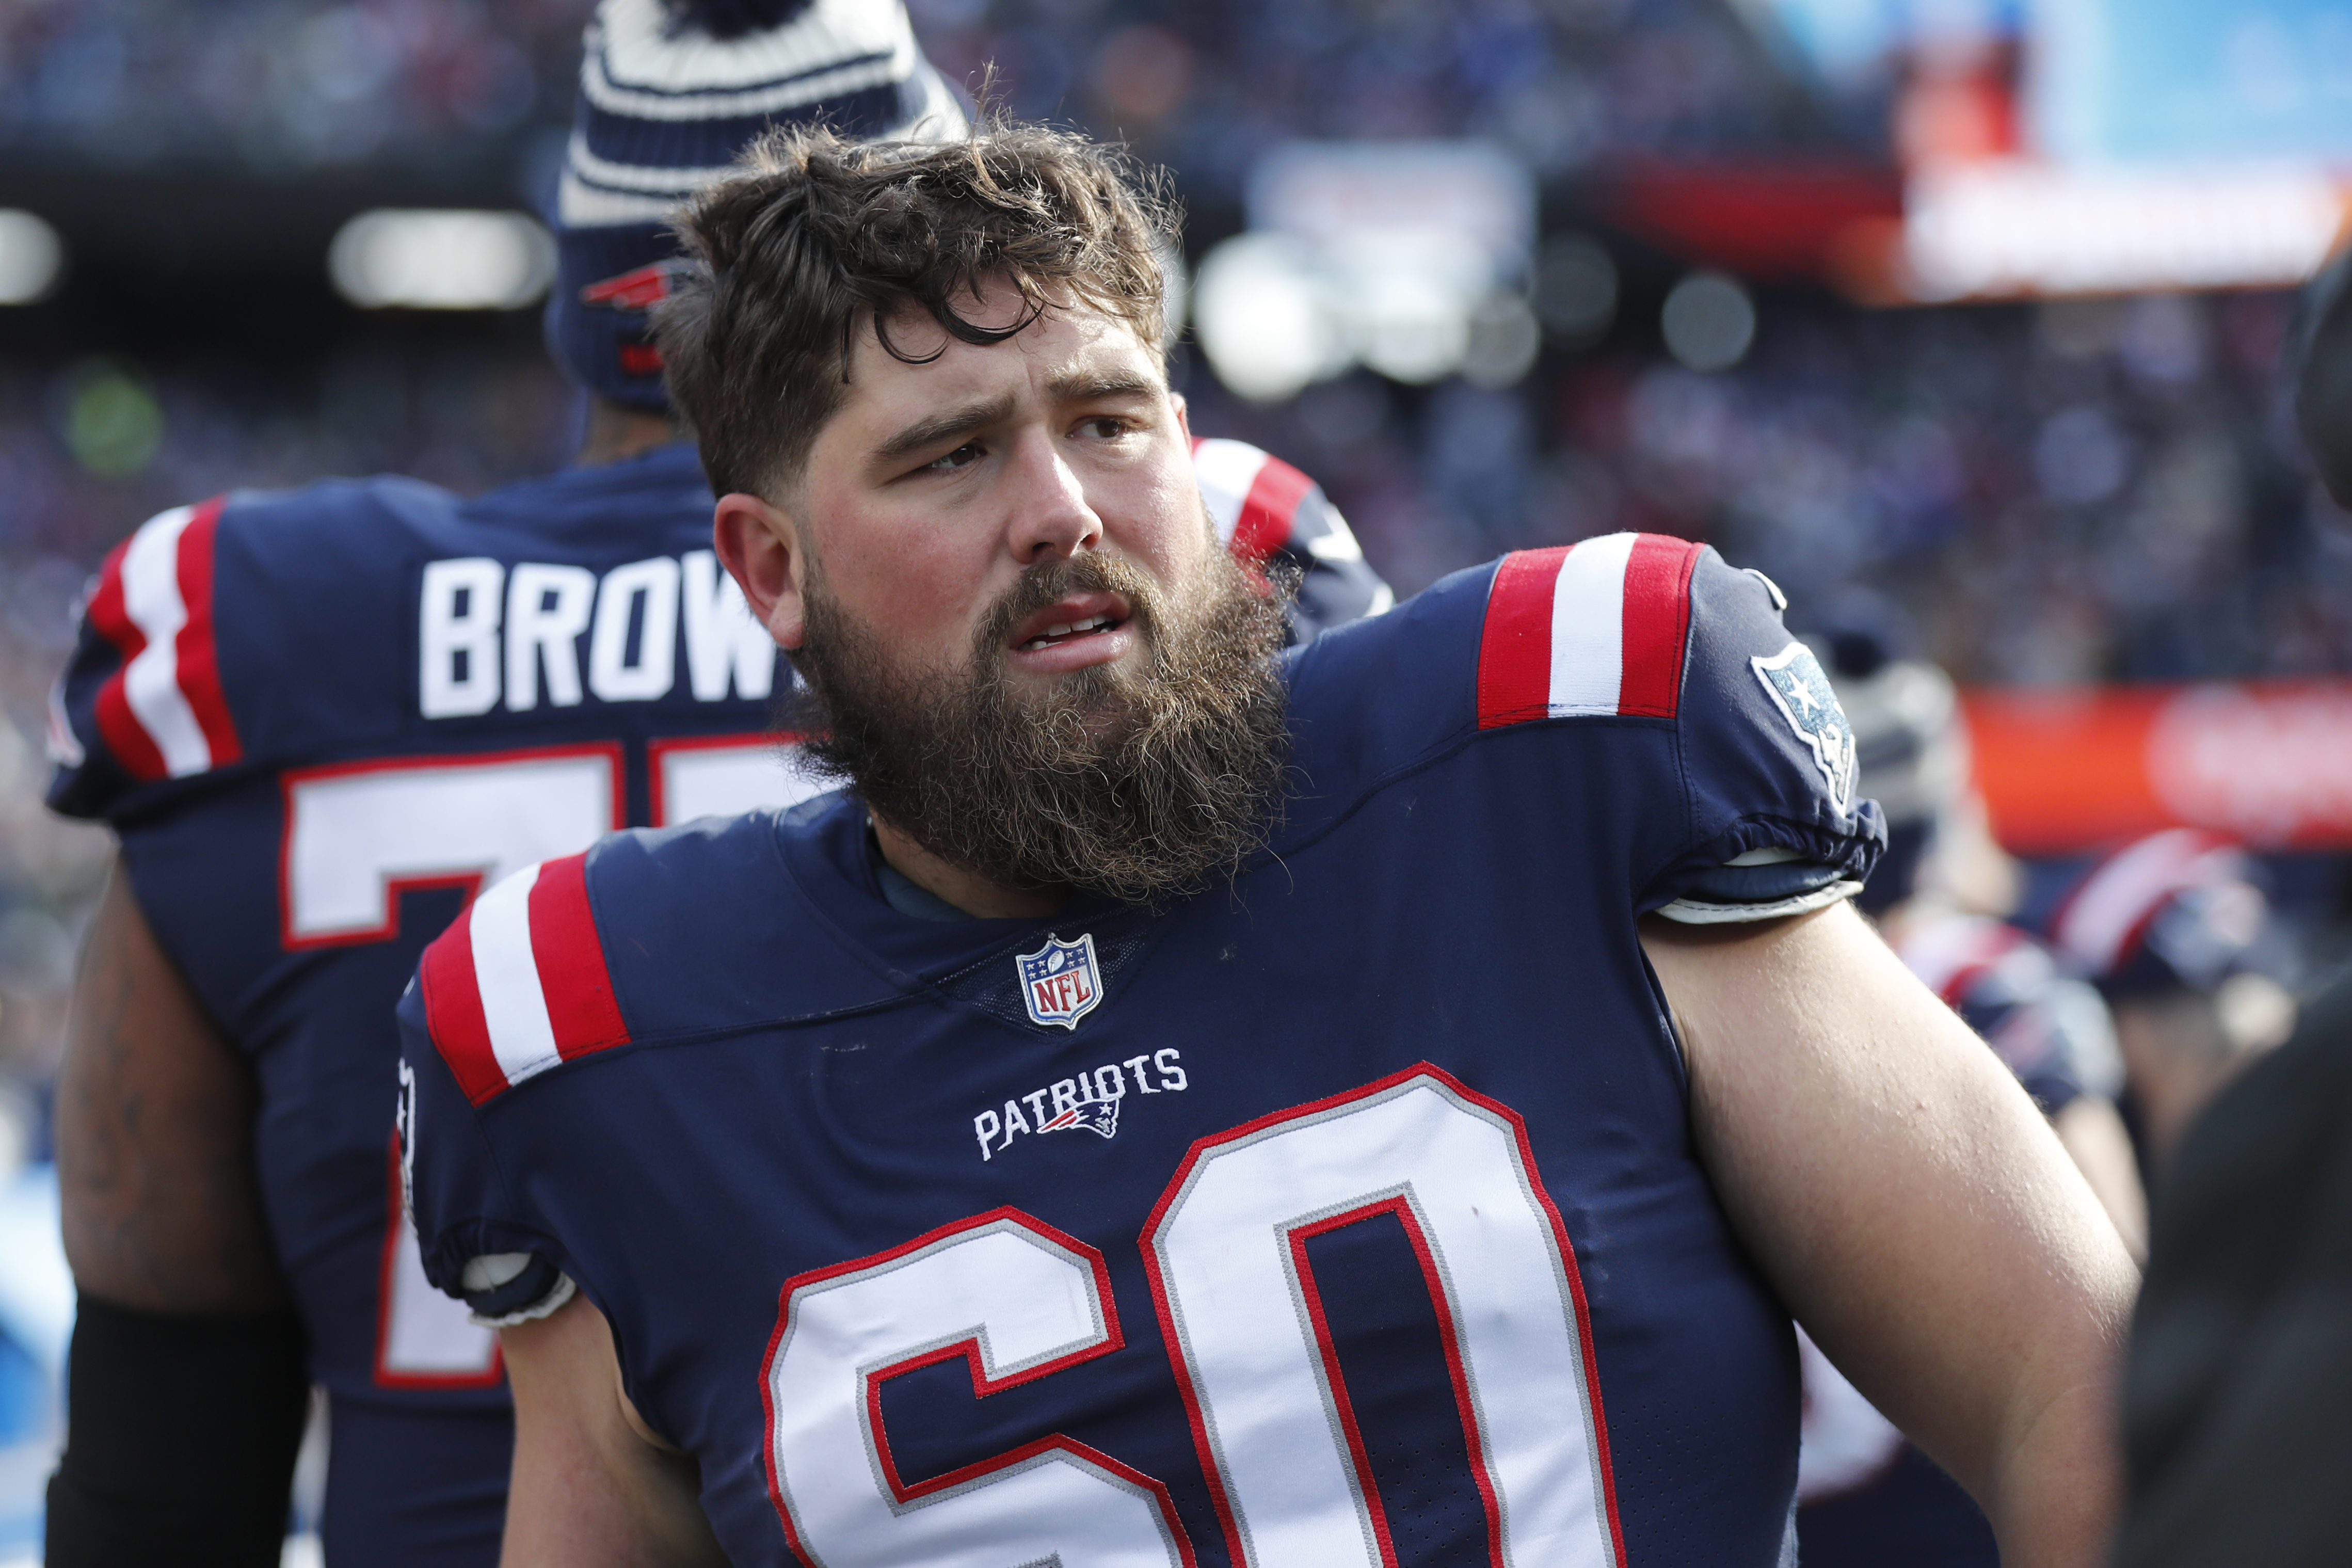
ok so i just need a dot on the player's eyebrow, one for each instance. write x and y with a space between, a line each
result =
1071 386
1083 387
934 428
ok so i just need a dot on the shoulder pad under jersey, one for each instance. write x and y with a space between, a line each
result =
199 625
384 617
1625 629
1267 510
519 985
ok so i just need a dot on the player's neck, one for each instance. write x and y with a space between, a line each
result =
971 893
616 434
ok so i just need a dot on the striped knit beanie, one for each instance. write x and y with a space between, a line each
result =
670 92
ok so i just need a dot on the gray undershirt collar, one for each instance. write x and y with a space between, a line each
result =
904 895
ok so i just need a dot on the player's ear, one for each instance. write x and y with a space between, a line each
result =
762 550
1183 416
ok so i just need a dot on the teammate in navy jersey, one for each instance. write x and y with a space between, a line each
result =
319 720
2172 928
381 698
1188 1108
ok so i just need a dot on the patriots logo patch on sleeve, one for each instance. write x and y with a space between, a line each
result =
1794 679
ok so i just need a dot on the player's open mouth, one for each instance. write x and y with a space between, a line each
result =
1074 633
1064 632
1070 620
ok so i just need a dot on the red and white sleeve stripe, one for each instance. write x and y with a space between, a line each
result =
163 713
1593 628
1253 495
518 984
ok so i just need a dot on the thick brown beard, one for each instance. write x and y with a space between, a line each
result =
1143 785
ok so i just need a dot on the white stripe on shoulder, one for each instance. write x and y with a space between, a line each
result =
514 1005
1587 626
151 685
1226 470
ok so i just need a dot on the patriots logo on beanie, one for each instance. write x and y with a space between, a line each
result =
640 289
671 91
637 290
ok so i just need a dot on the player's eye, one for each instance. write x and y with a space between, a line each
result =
963 457
1103 427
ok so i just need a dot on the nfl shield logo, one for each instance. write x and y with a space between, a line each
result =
1059 982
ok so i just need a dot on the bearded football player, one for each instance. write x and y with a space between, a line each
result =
1182 1103
318 719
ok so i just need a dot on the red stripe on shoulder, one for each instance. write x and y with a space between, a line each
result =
119 728
1515 650
1657 625
198 657
571 959
453 1012
1270 509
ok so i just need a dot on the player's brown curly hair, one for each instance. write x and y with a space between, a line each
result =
820 237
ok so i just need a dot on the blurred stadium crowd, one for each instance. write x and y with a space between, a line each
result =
276 86
277 83
2071 492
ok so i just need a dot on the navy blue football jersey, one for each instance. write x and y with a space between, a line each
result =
320 720
1348 1215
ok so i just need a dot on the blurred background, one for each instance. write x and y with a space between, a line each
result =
1966 319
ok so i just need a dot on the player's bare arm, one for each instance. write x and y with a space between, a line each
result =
2094 1136
185 1343
1914 1210
593 1486
156 1136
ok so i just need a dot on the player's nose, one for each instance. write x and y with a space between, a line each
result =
1051 518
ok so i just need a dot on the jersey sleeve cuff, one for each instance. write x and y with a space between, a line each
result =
503 1288
1704 912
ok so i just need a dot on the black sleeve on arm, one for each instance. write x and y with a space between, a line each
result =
181 1437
